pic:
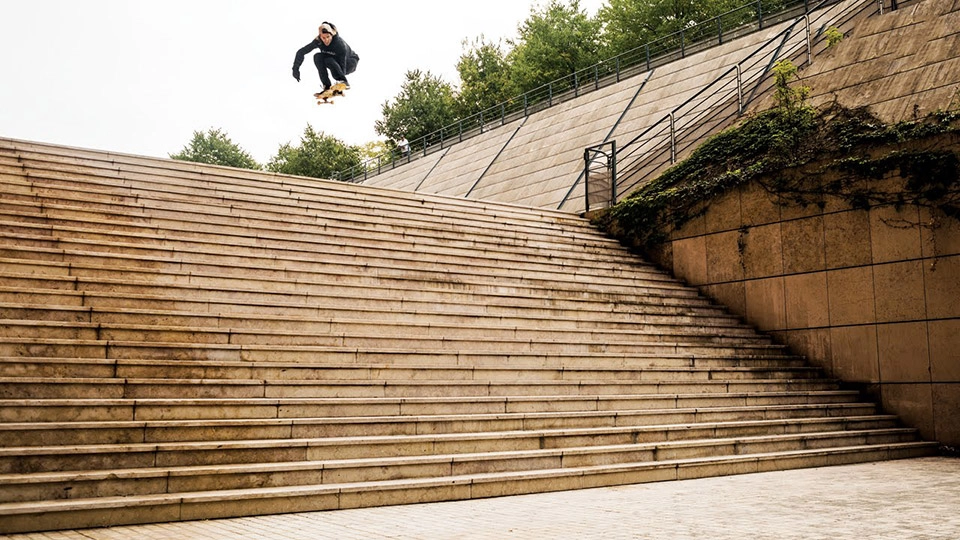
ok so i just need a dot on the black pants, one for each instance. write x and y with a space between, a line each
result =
325 62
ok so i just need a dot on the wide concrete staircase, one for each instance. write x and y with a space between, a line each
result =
184 342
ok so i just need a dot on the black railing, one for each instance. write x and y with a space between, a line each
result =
748 18
713 107
599 173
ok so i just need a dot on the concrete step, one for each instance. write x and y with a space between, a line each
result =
421 365
133 271
165 176
165 453
99 433
179 340
19 368
116 388
379 334
327 237
355 346
425 372
156 480
46 305
200 298
377 256
32 354
558 243
81 513
64 188
115 410
150 174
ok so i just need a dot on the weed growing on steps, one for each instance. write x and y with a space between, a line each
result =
833 36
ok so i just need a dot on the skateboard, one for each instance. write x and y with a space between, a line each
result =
326 98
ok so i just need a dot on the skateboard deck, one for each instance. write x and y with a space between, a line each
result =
326 98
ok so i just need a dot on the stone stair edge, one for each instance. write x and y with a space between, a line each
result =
48 507
276 402
234 468
360 315
601 252
86 296
390 257
306 215
678 347
479 375
428 331
457 356
214 445
531 289
293 422
316 278
445 229
162 193
106 288
231 174
493 234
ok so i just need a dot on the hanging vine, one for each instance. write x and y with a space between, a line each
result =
804 156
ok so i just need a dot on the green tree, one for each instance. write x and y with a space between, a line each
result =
318 155
425 104
484 78
553 42
215 148
628 24
375 149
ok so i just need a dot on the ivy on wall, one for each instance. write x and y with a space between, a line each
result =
803 156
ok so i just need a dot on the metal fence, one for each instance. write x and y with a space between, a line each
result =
750 17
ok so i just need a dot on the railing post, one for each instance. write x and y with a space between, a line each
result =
596 76
613 172
673 139
760 13
525 114
460 127
503 113
576 85
719 31
586 179
646 47
739 91
618 69
683 48
550 94
806 21
481 121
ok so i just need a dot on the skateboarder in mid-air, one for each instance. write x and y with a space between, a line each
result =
334 55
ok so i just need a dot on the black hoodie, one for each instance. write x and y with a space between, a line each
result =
338 49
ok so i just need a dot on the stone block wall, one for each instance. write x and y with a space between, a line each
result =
872 296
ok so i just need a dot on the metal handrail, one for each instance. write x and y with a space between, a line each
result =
645 150
611 71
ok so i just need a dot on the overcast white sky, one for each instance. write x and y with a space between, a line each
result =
141 76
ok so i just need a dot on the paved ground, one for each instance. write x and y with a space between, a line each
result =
908 499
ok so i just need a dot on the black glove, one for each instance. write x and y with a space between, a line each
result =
296 74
